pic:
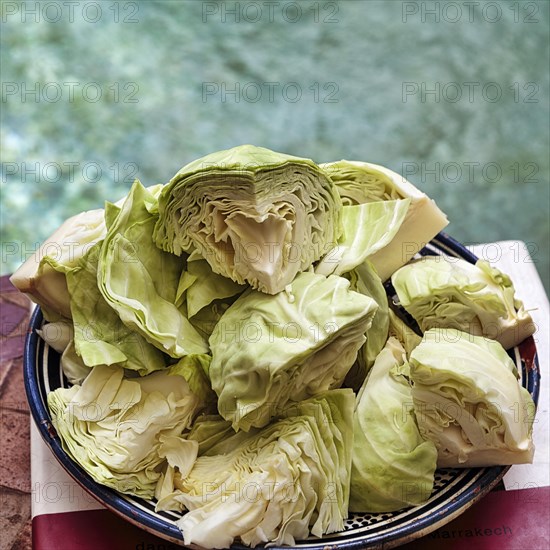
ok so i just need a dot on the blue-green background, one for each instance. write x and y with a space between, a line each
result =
163 56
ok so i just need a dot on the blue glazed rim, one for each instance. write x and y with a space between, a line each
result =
481 482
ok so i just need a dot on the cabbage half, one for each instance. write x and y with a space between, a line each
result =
362 182
255 215
273 485
140 281
267 350
479 299
112 426
42 276
468 401
392 465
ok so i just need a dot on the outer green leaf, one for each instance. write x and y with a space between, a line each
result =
365 280
392 465
140 281
207 318
401 331
194 368
100 337
202 286
209 430
367 228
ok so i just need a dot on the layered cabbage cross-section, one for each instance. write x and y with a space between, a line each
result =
476 298
112 426
468 401
256 216
275 485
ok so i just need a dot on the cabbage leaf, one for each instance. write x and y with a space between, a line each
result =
199 286
365 280
194 368
406 336
140 281
368 228
100 337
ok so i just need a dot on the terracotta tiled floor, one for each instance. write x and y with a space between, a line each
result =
15 484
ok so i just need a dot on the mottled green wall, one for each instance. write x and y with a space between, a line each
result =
453 94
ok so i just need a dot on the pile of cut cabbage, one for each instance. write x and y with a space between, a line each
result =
234 354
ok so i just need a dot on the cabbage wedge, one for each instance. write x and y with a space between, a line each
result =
393 466
268 350
256 216
480 299
112 426
468 401
274 485
362 182
42 276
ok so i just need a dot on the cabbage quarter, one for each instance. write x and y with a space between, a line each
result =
257 216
